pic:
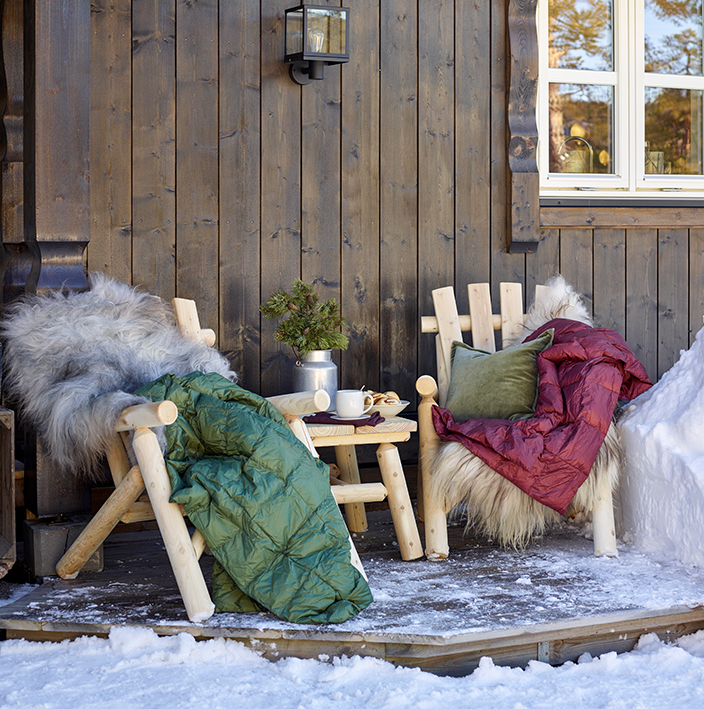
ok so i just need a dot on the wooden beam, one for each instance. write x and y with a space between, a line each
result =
647 216
524 185
457 655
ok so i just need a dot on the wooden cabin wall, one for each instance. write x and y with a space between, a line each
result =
215 177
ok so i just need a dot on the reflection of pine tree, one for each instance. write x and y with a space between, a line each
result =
672 126
679 53
581 37
580 34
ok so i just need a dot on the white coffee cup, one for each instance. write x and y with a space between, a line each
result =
353 403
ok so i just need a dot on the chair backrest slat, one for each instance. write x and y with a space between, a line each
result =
186 314
448 331
481 316
511 295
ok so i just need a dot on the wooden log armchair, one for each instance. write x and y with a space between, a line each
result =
54 396
452 477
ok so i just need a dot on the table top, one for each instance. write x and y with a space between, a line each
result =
392 430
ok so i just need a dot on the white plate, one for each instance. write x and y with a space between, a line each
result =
389 410
350 418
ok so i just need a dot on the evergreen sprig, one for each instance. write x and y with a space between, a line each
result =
309 324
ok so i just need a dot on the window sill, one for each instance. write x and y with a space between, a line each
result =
593 213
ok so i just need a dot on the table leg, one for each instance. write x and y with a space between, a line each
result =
399 502
346 457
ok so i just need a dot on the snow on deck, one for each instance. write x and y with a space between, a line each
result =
479 588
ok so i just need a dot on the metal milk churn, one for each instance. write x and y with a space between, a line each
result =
316 371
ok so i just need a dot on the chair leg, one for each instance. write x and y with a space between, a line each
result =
346 457
179 547
603 520
399 502
102 523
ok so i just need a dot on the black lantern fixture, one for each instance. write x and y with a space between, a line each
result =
316 35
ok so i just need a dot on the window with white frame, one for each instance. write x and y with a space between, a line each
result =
620 98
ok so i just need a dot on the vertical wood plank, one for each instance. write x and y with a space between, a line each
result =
280 189
472 149
110 248
399 196
696 282
61 121
642 297
504 266
543 264
673 317
320 184
240 184
12 191
576 263
436 242
610 279
360 201
197 189
154 146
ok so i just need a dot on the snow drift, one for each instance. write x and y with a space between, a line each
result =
662 489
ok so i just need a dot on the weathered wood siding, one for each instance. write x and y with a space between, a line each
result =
215 177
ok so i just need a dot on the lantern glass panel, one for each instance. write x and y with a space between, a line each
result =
327 31
294 32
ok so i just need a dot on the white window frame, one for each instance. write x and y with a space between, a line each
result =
629 81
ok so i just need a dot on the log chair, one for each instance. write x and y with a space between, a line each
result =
129 503
449 325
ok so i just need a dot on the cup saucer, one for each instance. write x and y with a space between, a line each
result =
349 418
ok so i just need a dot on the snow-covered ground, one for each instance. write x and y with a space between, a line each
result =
136 668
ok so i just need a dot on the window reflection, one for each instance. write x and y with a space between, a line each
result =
673 37
581 128
673 130
581 34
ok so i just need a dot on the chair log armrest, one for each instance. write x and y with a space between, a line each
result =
302 402
159 413
427 387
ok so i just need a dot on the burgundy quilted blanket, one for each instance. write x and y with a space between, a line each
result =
582 376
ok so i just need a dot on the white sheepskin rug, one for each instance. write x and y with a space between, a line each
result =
72 361
494 507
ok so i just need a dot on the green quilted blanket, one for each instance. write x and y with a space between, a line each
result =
262 502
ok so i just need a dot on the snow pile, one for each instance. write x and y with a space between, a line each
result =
136 668
662 490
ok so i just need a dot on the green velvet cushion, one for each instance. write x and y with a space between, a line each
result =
502 385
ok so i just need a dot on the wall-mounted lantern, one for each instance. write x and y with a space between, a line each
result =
316 35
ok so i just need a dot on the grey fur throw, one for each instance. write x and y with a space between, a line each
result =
72 361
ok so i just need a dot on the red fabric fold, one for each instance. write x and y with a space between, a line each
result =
582 376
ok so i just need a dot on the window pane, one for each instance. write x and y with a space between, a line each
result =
581 128
673 131
581 34
673 37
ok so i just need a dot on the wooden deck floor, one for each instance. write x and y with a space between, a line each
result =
553 602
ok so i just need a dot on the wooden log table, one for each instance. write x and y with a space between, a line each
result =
344 438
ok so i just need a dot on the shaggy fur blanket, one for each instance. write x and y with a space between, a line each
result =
72 361
581 377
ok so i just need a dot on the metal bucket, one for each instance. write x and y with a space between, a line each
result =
316 371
